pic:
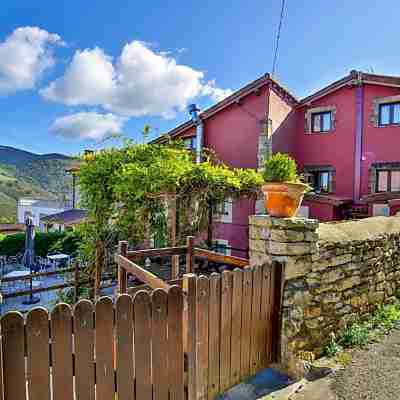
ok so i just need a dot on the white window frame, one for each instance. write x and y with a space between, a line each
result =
224 212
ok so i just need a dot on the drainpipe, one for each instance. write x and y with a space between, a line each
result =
359 136
194 112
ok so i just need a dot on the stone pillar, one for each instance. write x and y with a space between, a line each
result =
264 144
293 243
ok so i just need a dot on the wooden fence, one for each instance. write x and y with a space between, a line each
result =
133 350
225 325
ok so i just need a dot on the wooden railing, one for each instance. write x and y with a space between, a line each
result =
126 263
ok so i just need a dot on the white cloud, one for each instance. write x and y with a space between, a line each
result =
89 79
24 56
87 125
140 82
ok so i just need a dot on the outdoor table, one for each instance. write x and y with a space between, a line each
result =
16 274
58 257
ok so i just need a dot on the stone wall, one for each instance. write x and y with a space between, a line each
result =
333 272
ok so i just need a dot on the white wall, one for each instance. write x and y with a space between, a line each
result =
36 212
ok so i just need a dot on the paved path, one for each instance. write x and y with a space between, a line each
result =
373 374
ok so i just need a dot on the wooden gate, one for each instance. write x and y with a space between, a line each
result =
233 327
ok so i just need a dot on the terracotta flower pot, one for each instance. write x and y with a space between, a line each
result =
283 199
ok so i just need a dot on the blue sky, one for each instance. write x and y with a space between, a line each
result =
123 64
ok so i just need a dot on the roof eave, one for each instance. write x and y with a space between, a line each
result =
232 99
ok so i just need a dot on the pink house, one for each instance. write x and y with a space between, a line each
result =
345 139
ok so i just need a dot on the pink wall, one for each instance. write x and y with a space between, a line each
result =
333 148
322 212
233 132
380 144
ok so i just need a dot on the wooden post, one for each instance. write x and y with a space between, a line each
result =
210 225
99 267
175 267
76 294
122 275
172 217
189 254
190 332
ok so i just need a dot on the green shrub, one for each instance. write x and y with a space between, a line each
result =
332 348
280 168
386 316
68 243
68 295
65 242
356 335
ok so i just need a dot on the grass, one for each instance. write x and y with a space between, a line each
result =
359 334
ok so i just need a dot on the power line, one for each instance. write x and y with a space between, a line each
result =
278 36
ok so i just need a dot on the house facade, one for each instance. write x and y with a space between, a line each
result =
344 137
37 209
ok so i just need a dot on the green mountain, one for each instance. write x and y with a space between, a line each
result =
25 174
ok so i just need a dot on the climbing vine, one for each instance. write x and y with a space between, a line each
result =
125 190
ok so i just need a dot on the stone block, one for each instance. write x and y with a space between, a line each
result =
331 262
301 298
287 236
312 312
331 297
310 236
296 267
291 249
259 233
332 275
376 297
259 258
349 283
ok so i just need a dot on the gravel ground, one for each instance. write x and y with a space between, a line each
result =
372 374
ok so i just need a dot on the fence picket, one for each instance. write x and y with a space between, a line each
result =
255 320
142 339
61 351
124 348
246 323
237 299
159 300
38 355
226 329
175 344
12 331
84 350
104 349
265 312
203 293
214 338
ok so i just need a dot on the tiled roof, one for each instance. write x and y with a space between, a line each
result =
68 217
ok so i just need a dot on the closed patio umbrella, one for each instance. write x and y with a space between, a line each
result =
29 256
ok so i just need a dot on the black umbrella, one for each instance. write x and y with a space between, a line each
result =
29 256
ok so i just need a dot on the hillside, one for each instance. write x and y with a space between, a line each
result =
25 174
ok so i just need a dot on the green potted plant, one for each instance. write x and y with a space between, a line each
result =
283 189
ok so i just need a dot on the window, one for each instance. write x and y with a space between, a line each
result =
388 180
321 181
321 122
389 114
223 211
222 246
190 143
